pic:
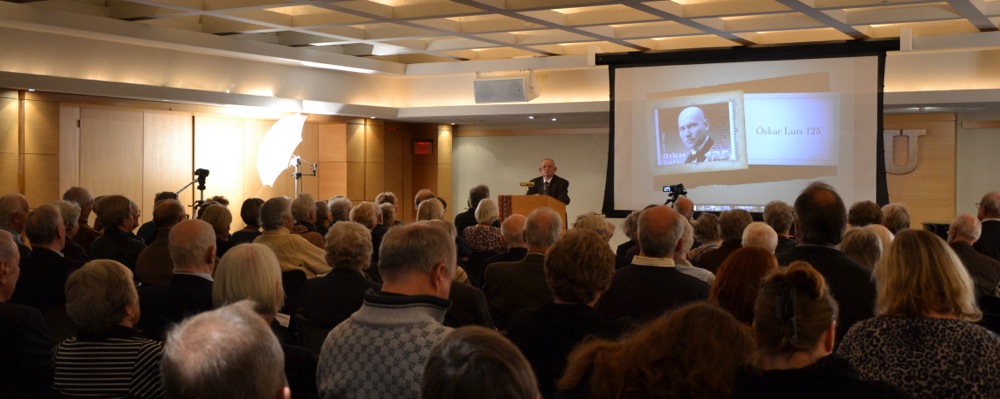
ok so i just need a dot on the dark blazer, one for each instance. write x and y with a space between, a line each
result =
465 219
86 236
75 251
43 279
558 188
645 292
468 307
154 265
163 306
512 255
985 271
118 246
711 260
331 299
25 353
989 240
512 286
850 283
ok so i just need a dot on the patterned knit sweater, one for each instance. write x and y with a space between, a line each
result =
381 350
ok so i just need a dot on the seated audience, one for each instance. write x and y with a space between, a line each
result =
154 265
199 362
629 227
119 216
685 207
430 210
681 258
578 269
14 211
304 213
862 245
82 197
250 213
390 198
984 270
477 362
468 217
369 215
706 232
108 357
594 222
895 217
251 272
71 217
44 272
779 215
923 339
988 212
293 251
388 215
468 303
863 213
794 328
331 299
883 234
731 226
148 231
340 208
691 352
512 230
220 218
484 237
323 218
739 277
421 196
761 235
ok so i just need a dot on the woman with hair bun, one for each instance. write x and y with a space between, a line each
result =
795 323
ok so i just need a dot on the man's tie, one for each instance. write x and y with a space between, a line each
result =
545 190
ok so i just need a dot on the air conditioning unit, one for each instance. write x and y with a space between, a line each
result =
505 90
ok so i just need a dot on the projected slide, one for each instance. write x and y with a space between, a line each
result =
698 133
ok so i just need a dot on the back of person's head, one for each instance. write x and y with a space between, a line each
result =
250 211
989 205
706 228
79 195
863 213
487 211
733 222
631 225
189 243
579 267
274 212
779 215
340 208
476 362
687 240
920 275
349 246
895 217
322 213
388 214
542 228
660 228
44 225
9 269
366 213
793 312
738 278
226 353
98 294
965 227
168 213
430 210
164 195
387 197
685 207
594 222
304 207
883 234
112 210
249 271
820 214
862 245
219 217
512 230
70 212
760 234
478 193
672 356
421 196
12 206
415 248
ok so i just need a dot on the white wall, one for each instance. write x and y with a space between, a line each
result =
976 163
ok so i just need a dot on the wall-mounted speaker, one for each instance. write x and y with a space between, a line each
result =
504 90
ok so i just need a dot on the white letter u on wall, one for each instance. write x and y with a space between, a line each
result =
911 159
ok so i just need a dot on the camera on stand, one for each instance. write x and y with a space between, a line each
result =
674 191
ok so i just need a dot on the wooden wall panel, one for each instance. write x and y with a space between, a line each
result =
332 141
8 174
41 127
111 152
355 143
8 125
374 180
332 181
69 147
168 162
929 190
218 144
41 178
356 181
394 160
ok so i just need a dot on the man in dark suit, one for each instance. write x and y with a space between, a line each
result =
731 224
989 214
192 248
550 184
512 230
13 217
512 286
154 265
44 273
984 270
651 285
820 219
86 236
25 348
468 218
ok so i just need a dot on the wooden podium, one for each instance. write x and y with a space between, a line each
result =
524 204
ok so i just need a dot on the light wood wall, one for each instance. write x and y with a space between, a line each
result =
929 190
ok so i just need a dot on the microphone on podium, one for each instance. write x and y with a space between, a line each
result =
527 184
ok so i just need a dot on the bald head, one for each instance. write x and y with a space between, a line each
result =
422 195
820 215
542 229
660 229
692 127
965 228
168 213
685 207
512 230
192 247
14 211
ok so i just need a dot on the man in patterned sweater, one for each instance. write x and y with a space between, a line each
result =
380 351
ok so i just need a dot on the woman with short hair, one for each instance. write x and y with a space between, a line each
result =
483 237
220 218
250 214
477 362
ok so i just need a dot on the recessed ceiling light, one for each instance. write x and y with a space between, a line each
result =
31 90
531 117
371 117
553 119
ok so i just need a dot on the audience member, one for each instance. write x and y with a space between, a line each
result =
739 277
595 222
685 207
922 339
468 218
70 212
862 245
154 265
340 208
670 357
984 270
468 303
779 215
706 232
250 214
147 231
484 236
731 225
220 218
863 213
421 196
389 197
629 227
44 273
895 217
199 362
794 331
381 350
883 234
477 362
651 285
251 272
681 258
331 299
189 292
430 210
820 218
578 269
293 251
14 211
108 357
119 216
323 218
989 215
25 348
512 230
304 213
81 196
513 286
369 215
761 235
